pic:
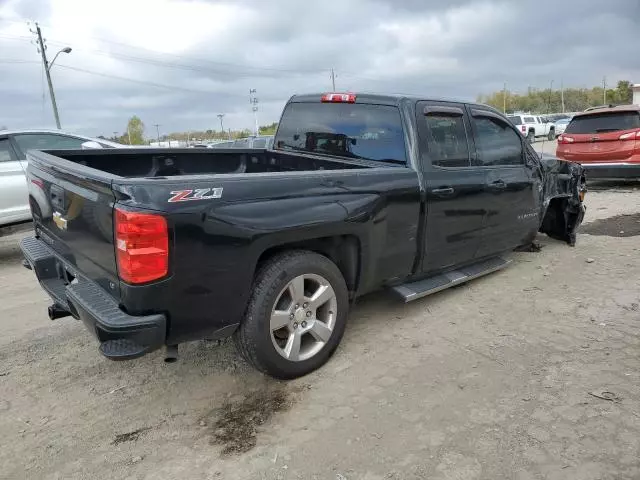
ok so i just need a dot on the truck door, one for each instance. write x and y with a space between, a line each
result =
454 187
513 184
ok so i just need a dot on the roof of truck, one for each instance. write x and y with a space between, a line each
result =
383 99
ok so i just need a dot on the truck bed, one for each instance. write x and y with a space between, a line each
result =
151 163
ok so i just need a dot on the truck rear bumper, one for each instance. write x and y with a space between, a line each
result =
611 170
122 336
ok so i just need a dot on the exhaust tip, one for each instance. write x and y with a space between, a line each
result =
55 312
171 354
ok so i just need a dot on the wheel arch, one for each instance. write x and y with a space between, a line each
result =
343 250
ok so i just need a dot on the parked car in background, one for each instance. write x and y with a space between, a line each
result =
533 126
561 125
599 107
14 144
265 141
262 141
228 144
606 141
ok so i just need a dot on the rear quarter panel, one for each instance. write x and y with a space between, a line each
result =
218 242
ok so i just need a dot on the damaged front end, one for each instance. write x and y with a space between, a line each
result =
564 189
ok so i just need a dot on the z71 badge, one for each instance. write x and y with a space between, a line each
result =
196 194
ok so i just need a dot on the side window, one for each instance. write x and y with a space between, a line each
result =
46 141
497 143
5 150
447 139
529 120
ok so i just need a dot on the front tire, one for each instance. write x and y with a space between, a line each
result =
296 315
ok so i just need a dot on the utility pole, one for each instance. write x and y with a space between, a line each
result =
157 125
604 90
42 51
129 133
504 98
254 102
562 94
221 116
333 80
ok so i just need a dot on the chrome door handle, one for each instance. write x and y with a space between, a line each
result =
443 191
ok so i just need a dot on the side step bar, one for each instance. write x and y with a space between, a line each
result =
421 288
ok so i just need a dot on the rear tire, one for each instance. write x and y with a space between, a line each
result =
293 351
552 135
531 136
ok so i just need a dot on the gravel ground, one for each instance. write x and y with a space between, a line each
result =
530 373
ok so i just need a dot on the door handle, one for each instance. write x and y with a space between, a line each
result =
498 184
443 191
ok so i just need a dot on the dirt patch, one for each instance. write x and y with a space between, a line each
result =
618 226
129 436
235 425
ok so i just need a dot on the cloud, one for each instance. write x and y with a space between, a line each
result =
180 63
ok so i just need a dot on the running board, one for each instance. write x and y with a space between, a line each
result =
412 291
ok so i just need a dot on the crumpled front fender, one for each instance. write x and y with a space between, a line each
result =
564 189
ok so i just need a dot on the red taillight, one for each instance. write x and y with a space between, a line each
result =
563 139
142 246
523 128
338 98
630 136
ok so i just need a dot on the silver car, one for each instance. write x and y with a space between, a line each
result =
561 126
14 189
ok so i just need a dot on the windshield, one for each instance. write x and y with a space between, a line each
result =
604 122
370 132
515 120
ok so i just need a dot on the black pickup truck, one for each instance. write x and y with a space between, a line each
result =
154 247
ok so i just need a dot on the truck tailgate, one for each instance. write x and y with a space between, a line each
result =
73 215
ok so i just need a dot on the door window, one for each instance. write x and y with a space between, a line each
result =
46 141
497 143
5 150
447 139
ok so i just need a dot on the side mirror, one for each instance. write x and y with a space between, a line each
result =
90 145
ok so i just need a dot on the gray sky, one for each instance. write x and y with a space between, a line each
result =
180 63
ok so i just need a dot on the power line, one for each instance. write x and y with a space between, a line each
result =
16 37
11 60
180 57
142 82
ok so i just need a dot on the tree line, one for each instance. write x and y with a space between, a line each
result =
550 100
134 134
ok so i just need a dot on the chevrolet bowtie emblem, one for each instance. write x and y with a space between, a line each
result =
59 220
